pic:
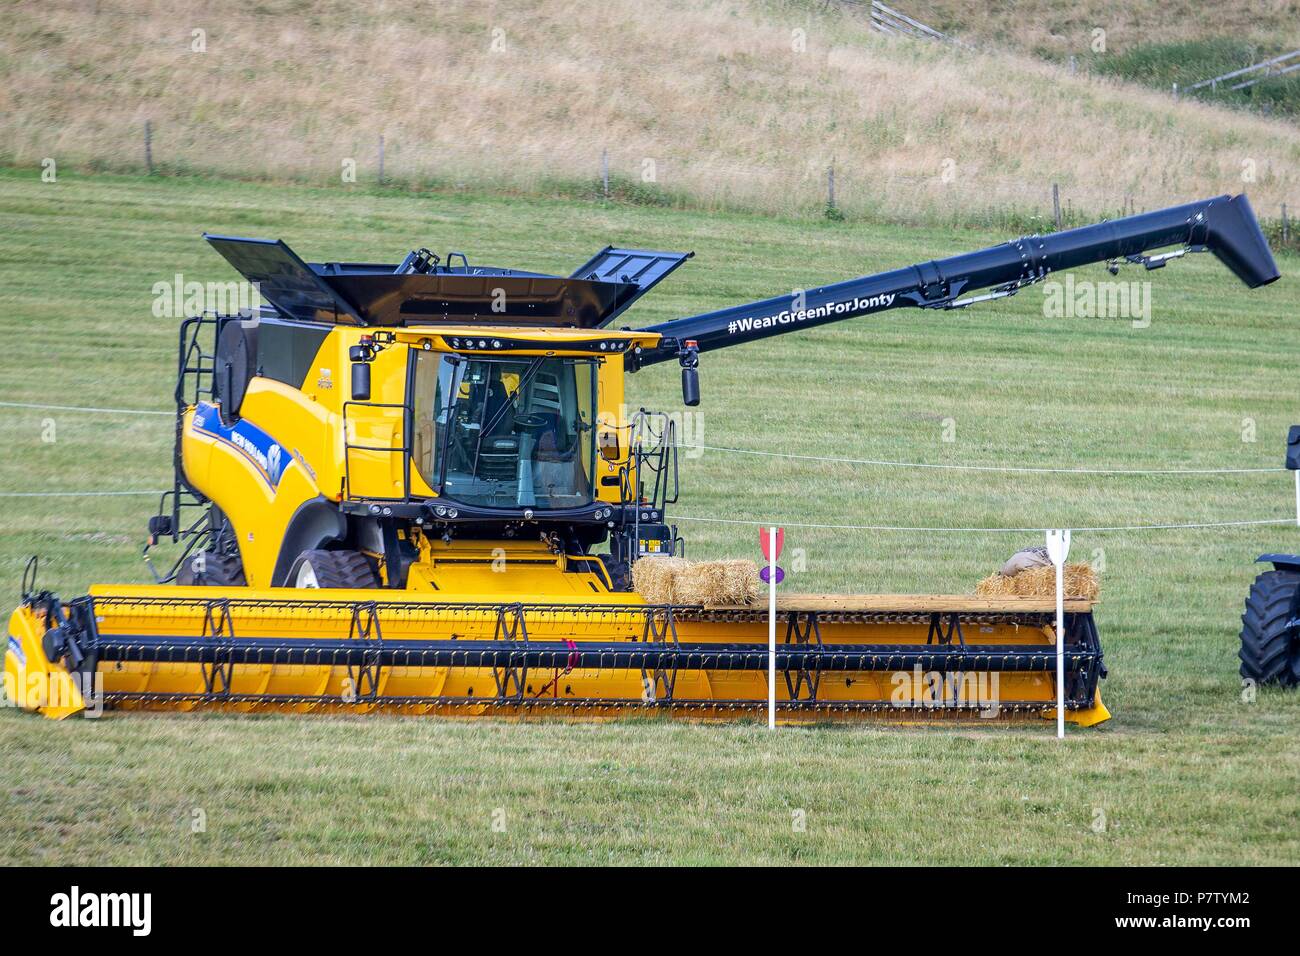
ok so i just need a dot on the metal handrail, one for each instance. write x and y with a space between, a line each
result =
892 23
1262 65
404 449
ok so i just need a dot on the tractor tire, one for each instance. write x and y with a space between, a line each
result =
211 569
1270 653
332 569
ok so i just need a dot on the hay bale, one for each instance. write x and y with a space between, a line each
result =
655 579
1081 581
742 582
719 583
711 583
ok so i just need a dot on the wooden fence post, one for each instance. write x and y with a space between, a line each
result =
604 170
1056 205
381 159
148 146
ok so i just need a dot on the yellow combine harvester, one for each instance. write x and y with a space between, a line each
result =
412 487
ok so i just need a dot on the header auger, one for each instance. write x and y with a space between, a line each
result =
411 487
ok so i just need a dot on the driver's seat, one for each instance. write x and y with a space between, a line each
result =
499 457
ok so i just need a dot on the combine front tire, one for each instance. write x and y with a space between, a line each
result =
212 569
332 569
1270 651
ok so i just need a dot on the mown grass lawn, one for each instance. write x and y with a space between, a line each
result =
1187 772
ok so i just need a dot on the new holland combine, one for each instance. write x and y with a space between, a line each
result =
410 487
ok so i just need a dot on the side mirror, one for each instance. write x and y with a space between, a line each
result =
690 385
689 356
360 381
607 442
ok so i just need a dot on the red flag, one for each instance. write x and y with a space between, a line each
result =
764 538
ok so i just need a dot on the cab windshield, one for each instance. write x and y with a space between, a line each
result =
506 433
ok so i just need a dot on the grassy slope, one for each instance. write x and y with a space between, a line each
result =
1185 773
738 104
1057 28
1188 64
1153 42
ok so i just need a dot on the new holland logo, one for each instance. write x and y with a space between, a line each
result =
256 445
249 447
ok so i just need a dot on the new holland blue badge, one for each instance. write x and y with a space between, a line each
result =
267 455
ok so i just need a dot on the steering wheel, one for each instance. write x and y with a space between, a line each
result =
529 423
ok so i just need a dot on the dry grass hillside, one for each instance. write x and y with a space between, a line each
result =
716 104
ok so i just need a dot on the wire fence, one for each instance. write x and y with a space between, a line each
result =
872 462
1004 469
87 408
792 456
940 529
952 193
949 193
75 494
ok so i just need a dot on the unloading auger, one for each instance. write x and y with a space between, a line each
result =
452 529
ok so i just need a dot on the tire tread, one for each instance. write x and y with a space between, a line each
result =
349 570
1269 651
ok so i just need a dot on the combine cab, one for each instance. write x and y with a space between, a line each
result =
412 487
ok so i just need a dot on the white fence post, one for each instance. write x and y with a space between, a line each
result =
1058 548
771 627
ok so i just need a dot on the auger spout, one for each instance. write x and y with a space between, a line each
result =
1225 226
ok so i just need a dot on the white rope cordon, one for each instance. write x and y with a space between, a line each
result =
870 527
792 524
1013 469
789 524
879 462
72 494
86 408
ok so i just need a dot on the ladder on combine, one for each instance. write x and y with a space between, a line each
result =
183 511
650 482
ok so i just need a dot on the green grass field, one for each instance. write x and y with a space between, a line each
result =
1186 772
